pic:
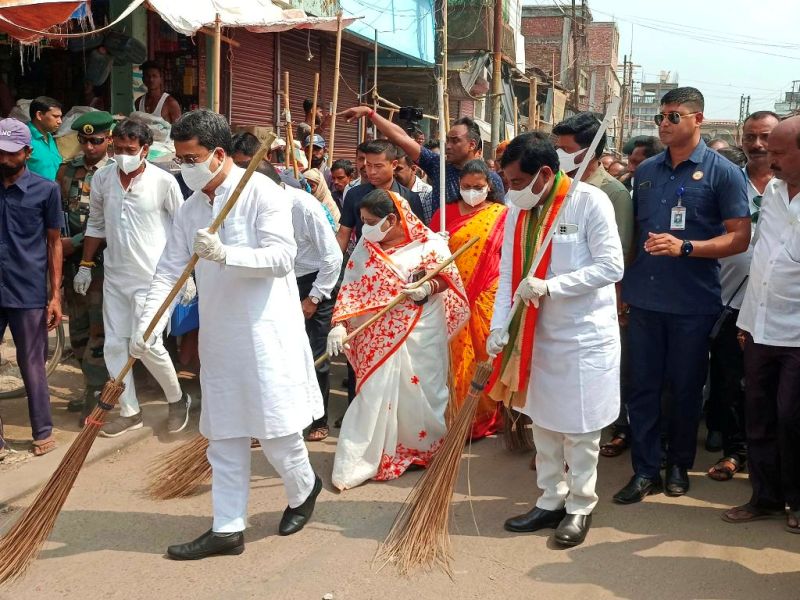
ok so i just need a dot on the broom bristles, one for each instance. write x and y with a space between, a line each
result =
20 546
179 472
419 536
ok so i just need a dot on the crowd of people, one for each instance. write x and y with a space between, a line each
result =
649 292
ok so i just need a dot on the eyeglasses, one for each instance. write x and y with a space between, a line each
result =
757 204
190 160
94 141
673 117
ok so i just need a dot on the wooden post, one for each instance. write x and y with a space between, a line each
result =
445 67
497 73
335 105
553 103
375 84
533 120
310 150
289 134
217 59
516 117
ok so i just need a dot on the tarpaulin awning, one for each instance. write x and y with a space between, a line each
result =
260 16
24 19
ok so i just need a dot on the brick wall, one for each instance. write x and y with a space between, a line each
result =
543 37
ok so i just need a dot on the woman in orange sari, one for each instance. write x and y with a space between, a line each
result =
479 213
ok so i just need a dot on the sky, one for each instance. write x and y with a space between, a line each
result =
725 48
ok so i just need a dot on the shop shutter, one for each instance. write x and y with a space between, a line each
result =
253 79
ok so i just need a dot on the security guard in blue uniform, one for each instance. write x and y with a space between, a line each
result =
86 333
691 209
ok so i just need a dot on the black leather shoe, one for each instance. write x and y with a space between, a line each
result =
208 544
677 481
294 519
534 520
636 490
572 530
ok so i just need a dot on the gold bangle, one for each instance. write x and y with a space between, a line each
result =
88 263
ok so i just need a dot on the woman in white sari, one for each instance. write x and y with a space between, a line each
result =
401 361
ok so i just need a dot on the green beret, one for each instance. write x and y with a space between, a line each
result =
96 121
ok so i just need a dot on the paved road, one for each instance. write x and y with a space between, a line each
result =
110 539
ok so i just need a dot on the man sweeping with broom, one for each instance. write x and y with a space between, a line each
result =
560 366
258 376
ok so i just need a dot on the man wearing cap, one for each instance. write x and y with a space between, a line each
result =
45 121
30 238
86 334
319 154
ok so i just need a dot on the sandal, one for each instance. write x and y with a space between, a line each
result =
617 445
794 515
317 434
725 468
45 446
747 513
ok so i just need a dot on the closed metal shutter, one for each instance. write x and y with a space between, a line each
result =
252 72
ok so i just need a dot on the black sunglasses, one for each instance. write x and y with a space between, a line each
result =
673 117
94 141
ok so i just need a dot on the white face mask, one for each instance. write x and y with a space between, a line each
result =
526 199
128 163
197 176
474 197
373 233
567 161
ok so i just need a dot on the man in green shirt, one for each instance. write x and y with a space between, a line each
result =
45 121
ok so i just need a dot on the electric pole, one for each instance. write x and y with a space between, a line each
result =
575 68
497 73
624 104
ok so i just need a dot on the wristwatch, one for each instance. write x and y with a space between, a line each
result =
314 299
686 248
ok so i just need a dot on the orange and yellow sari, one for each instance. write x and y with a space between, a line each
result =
480 270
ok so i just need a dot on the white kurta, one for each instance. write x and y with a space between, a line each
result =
135 224
574 386
257 374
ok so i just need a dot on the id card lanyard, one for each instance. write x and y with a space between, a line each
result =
677 218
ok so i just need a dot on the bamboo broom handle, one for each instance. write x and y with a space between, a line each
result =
187 272
401 296
289 134
310 149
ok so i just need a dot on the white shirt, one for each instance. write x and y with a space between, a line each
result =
317 248
771 307
733 269
134 223
574 385
420 186
350 186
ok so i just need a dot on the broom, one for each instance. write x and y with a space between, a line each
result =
23 542
179 473
419 536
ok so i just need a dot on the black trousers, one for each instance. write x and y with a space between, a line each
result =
666 347
317 329
725 407
772 421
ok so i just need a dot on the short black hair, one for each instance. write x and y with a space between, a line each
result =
308 104
133 129
379 203
651 144
210 128
473 131
246 143
401 155
477 166
266 168
734 154
533 150
150 64
361 146
583 127
691 97
43 104
431 144
345 165
761 114
381 147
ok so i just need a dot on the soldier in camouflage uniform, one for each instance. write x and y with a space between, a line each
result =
85 312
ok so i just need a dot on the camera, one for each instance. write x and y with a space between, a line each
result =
410 114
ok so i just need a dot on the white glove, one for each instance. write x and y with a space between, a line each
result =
138 346
208 245
418 294
530 290
497 340
82 280
189 292
336 339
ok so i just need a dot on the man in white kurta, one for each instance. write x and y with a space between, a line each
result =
257 377
132 212
573 390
